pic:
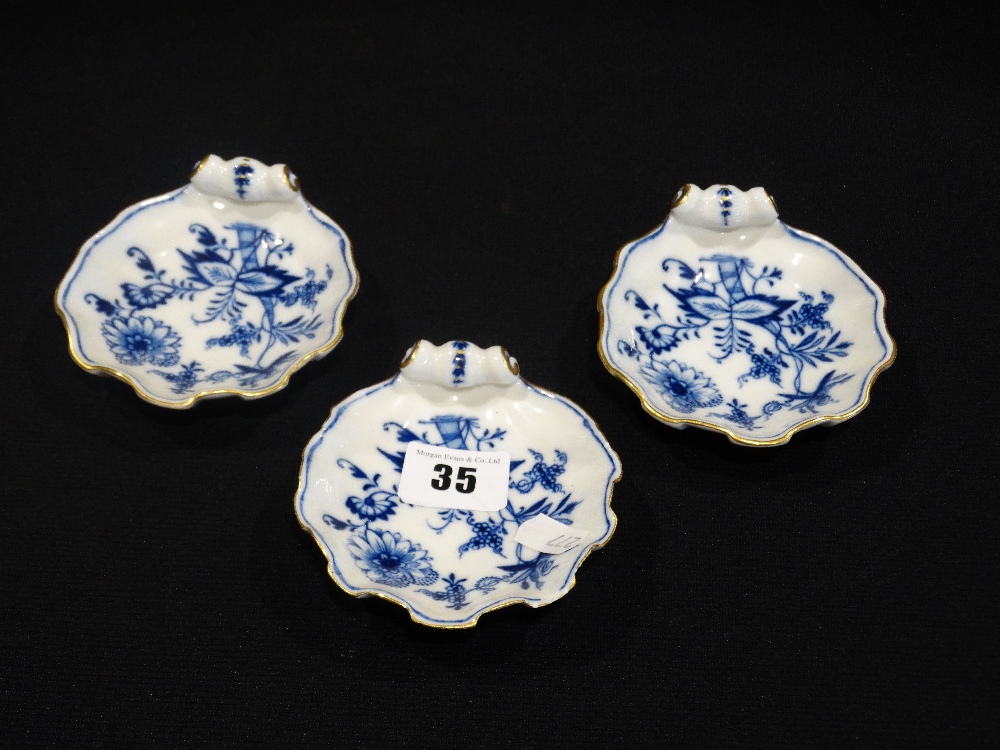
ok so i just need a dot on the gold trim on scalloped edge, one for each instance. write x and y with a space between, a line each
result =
657 414
247 395
199 165
290 179
363 593
680 196
514 366
410 356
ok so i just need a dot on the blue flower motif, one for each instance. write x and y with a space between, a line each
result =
454 592
738 415
810 315
386 558
147 297
379 505
243 336
488 535
141 340
184 380
765 365
663 338
305 294
543 473
683 387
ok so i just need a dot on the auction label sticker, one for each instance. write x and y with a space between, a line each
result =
438 477
546 534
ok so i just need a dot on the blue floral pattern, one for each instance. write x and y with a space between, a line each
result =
387 557
235 278
783 341
683 387
140 340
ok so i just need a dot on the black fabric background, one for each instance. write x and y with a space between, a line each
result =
155 587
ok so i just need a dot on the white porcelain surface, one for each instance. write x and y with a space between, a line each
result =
726 318
223 287
446 566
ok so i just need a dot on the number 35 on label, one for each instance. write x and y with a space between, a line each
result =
439 477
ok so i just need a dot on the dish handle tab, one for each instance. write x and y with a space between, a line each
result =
459 364
244 180
723 207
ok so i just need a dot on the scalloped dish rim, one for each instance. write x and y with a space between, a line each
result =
470 622
785 437
71 327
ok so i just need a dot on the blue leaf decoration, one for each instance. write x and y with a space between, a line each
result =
395 458
204 235
267 281
710 307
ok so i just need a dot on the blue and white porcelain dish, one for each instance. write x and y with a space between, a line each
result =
225 286
446 566
725 318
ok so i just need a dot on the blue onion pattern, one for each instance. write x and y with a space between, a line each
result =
387 557
781 339
238 280
141 341
683 387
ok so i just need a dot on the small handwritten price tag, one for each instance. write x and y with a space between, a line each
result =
545 534
438 477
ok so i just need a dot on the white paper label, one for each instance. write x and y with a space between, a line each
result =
545 534
438 477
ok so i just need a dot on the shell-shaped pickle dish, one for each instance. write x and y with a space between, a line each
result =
448 566
225 286
725 318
